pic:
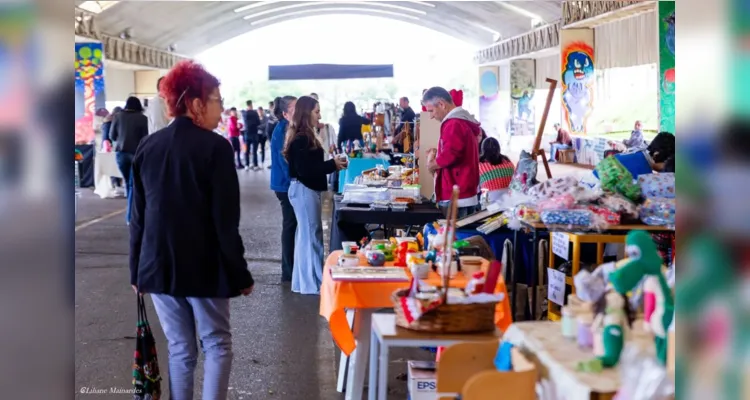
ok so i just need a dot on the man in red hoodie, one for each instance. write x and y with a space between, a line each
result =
456 160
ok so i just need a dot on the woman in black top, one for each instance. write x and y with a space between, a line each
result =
308 170
350 124
126 132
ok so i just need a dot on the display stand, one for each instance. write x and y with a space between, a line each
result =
429 136
537 150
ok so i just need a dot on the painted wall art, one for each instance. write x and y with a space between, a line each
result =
89 84
577 85
489 115
666 66
522 87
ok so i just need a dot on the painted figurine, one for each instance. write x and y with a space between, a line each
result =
644 262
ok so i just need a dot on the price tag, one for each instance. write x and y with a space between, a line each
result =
556 286
560 244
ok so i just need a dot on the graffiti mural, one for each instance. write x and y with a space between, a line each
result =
666 65
577 85
89 84
489 115
522 85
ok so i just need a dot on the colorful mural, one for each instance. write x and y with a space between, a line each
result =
666 66
17 63
89 84
522 86
489 86
577 85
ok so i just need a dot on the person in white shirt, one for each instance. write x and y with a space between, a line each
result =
157 111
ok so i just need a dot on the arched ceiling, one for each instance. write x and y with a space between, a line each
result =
195 26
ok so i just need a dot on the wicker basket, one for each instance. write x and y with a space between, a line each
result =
448 318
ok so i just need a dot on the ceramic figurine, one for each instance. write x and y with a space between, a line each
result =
644 262
611 327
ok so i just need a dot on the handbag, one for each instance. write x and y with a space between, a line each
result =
146 377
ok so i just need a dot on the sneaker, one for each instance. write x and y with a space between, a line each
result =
247 168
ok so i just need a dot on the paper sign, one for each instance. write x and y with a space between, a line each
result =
556 286
560 244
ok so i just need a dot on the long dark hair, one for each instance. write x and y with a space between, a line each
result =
301 124
133 104
491 152
349 110
280 104
662 147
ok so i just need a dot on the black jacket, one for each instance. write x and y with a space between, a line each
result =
127 130
251 119
184 227
350 128
308 165
407 117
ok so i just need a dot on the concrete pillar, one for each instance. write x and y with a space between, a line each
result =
145 83
666 21
578 78
89 89
522 87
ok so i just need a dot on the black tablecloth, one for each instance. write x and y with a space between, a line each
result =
348 222
86 166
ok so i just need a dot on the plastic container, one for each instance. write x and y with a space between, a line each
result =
569 323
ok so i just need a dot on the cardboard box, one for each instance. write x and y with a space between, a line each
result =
422 380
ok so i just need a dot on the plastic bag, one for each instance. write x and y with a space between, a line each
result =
658 211
619 204
643 376
657 185
554 188
567 217
614 177
525 174
611 217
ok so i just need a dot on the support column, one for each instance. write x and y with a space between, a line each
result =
522 87
89 89
578 78
666 21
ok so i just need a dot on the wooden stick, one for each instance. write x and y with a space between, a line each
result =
547 105
546 164
450 225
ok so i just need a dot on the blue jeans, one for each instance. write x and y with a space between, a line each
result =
554 148
180 318
308 241
125 164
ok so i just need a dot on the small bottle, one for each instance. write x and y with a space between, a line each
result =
568 322
585 336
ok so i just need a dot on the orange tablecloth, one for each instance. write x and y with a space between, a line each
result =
337 297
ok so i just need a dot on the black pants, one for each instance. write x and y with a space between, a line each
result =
288 230
237 150
251 146
262 148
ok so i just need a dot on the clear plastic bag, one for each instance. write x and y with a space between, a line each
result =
643 377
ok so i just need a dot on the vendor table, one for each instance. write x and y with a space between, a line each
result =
105 167
559 357
349 220
364 298
385 334
613 234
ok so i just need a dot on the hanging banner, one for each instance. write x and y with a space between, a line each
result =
89 84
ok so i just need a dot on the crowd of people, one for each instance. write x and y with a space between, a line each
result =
184 198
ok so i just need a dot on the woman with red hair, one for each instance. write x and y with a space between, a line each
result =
185 246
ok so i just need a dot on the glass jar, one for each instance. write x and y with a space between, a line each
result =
585 336
568 322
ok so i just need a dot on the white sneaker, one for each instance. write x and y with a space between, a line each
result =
247 168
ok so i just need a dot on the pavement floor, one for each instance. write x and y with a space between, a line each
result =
282 347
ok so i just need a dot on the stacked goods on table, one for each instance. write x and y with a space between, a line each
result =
394 176
444 309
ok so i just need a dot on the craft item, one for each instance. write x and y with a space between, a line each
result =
350 247
616 178
348 260
585 336
492 277
589 287
561 202
470 264
657 185
611 329
609 216
400 254
578 218
369 274
658 211
526 212
415 258
476 283
453 271
644 261
568 322
376 258
469 251
553 188
525 174
420 270
620 204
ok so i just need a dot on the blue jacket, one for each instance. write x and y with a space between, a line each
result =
279 168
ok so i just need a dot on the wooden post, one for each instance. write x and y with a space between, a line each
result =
537 150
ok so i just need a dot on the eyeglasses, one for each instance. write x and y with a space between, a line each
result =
219 99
